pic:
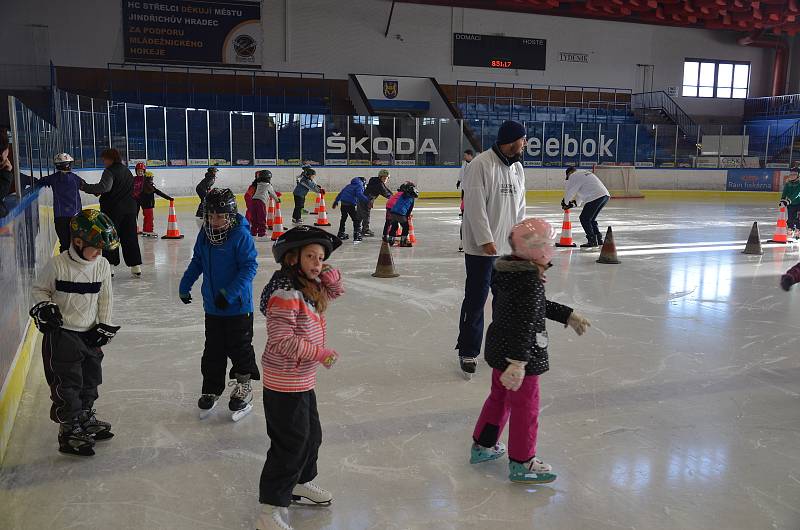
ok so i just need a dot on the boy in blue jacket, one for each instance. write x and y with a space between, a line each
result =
226 257
350 196
66 196
398 215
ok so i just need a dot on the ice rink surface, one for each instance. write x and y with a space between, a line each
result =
680 409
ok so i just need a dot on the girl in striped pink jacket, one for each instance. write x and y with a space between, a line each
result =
294 302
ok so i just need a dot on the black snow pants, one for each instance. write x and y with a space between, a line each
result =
227 337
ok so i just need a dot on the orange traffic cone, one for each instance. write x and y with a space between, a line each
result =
277 223
270 212
780 229
172 224
385 267
566 232
608 254
316 207
412 237
322 217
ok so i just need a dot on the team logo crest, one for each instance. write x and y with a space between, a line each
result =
390 88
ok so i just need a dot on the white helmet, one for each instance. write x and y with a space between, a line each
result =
63 161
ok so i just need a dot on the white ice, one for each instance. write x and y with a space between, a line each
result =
680 409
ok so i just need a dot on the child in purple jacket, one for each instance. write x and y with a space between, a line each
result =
66 196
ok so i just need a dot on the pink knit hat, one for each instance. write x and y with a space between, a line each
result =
532 240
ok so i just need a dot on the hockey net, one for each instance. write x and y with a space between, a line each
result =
621 181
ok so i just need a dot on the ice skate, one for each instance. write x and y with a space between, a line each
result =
342 236
272 519
73 440
589 245
357 239
368 233
297 221
534 471
480 454
405 243
313 494
241 403
207 403
136 270
99 430
468 366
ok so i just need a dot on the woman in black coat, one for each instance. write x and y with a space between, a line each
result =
116 200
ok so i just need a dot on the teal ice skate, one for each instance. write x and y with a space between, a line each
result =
484 454
534 471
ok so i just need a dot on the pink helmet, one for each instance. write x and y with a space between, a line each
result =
532 240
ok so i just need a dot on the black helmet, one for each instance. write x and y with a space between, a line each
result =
301 236
410 188
264 175
219 201
308 171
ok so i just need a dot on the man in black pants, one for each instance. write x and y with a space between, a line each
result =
116 201
584 187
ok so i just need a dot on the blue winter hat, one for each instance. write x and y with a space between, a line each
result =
510 132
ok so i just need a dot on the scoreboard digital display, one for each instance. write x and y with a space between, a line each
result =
506 53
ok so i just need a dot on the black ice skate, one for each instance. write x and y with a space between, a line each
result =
207 402
241 403
73 440
468 366
368 233
342 236
405 243
99 430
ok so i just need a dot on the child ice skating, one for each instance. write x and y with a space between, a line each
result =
516 349
264 190
376 187
225 255
398 214
583 187
295 301
147 200
204 186
66 196
73 311
351 196
791 199
305 183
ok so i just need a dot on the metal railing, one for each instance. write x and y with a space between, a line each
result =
662 101
527 94
772 107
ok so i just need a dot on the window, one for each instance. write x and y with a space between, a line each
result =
715 79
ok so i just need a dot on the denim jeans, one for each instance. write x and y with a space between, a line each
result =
480 272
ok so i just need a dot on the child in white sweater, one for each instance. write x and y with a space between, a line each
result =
73 310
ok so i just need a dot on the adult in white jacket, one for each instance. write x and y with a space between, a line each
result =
583 187
494 201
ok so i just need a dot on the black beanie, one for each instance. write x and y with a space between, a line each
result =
510 132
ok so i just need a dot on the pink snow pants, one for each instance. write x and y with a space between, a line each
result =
523 408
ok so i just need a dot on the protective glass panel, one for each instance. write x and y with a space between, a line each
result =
312 133
197 122
242 138
288 139
156 137
220 136
266 140
136 150
176 137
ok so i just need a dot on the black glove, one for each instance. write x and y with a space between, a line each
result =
100 335
564 206
186 298
220 301
46 316
783 202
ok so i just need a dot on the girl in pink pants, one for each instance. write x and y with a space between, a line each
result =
516 349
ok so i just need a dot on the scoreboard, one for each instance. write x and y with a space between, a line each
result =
505 53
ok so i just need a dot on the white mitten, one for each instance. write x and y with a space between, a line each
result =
513 375
578 322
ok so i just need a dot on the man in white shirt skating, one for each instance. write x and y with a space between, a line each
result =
583 187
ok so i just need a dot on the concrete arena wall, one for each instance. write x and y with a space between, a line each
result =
182 181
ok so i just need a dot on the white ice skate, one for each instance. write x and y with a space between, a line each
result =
272 519
309 494
207 404
241 403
